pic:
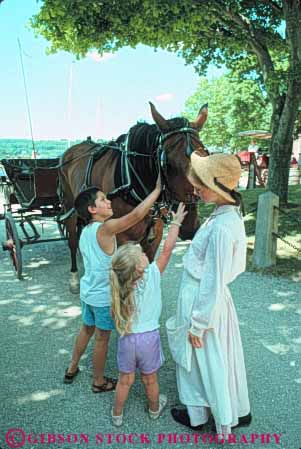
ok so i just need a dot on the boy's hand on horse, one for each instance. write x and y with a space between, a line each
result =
159 182
115 226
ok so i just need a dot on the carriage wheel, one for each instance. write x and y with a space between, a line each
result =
13 243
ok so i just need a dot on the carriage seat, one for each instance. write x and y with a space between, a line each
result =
44 188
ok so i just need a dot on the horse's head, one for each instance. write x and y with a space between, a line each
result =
179 138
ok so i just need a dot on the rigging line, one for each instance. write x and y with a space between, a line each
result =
27 99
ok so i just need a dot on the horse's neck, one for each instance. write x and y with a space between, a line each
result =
146 143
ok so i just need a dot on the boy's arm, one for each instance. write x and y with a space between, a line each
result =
171 238
117 225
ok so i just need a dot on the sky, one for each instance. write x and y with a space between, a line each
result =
70 99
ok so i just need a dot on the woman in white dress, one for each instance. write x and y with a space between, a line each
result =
204 336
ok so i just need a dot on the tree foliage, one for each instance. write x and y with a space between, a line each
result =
234 106
200 31
261 39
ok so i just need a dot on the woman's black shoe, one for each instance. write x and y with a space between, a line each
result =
181 416
243 421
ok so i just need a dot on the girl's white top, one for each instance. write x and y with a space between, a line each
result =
148 301
216 256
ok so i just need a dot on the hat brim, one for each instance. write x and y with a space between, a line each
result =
203 171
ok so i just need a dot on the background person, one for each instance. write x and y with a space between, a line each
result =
253 147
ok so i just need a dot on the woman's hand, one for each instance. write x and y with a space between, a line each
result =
179 216
195 341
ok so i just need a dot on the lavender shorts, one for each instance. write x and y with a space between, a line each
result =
142 351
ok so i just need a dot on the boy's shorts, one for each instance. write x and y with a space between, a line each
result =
142 351
97 316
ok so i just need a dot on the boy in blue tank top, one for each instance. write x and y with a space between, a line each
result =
136 307
97 245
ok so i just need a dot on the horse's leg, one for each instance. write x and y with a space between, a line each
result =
150 246
71 228
71 225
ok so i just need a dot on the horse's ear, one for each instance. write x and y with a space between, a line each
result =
159 120
201 118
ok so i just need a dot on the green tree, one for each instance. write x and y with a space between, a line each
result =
234 106
260 37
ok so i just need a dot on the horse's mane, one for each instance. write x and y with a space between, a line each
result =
144 136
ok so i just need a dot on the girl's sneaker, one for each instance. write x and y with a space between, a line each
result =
162 405
117 420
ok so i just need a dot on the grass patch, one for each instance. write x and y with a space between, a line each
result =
288 259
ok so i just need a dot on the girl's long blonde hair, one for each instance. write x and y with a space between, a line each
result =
123 276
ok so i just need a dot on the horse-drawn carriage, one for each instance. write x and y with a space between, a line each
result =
29 189
126 170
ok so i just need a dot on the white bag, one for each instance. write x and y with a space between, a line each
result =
179 345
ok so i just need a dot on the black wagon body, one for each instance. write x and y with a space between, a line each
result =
30 193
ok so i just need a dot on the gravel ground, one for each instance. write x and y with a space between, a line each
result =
39 322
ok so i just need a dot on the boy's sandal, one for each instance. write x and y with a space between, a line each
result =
104 387
69 377
111 379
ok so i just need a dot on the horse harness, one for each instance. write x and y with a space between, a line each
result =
163 208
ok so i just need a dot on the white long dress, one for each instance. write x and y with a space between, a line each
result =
213 377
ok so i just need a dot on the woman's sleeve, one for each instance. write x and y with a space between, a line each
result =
216 274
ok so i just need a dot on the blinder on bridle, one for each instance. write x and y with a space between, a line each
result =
161 152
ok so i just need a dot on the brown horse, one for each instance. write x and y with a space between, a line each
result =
127 171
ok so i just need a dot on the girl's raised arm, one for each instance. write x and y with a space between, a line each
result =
171 238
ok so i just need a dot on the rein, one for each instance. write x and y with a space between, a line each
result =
88 152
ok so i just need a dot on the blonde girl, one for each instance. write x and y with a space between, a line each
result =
136 308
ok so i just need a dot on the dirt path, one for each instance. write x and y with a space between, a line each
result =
40 319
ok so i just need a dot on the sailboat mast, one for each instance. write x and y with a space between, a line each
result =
27 101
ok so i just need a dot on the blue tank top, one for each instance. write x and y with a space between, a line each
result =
95 283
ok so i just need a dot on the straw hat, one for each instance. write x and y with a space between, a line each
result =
219 172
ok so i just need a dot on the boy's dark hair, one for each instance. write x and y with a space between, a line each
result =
83 200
